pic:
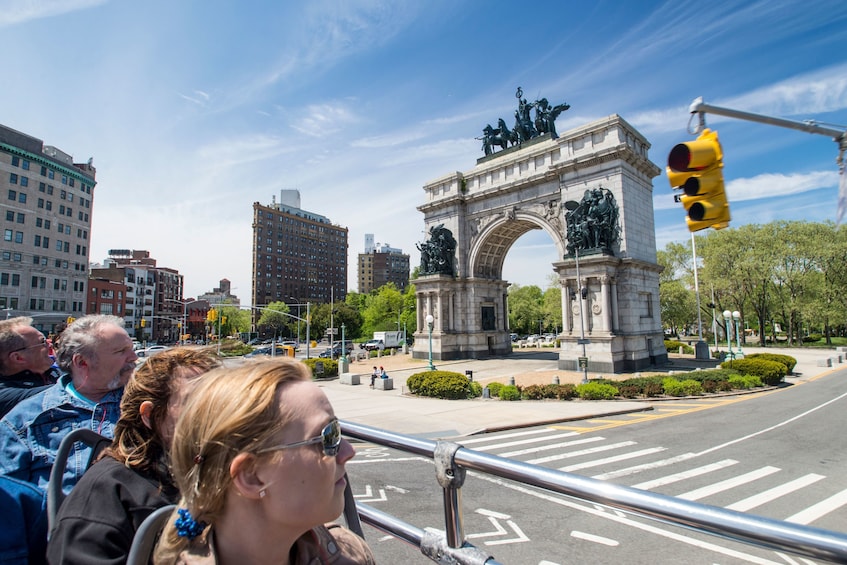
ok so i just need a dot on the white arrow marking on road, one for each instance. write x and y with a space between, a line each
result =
368 495
494 518
596 539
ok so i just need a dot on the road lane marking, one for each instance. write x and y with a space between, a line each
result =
721 486
822 508
644 467
503 436
613 459
580 452
552 446
697 471
774 493
595 539
523 441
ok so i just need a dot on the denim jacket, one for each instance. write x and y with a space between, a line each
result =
31 433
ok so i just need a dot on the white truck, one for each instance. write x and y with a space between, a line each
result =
385 340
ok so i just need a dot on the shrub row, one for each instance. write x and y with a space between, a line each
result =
446 384
330 367
771 372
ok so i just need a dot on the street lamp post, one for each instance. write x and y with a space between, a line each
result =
297 300
736 315
430 321
727 316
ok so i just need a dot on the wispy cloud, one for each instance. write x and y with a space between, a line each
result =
14 12
324 120
198 97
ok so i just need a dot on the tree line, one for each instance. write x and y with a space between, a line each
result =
787 279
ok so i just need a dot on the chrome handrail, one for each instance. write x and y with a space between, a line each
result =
747 528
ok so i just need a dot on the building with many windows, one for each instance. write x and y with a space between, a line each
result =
154 308
298 256
46 202
380 265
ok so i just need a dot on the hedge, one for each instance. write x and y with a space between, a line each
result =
771 372
787 360
442 384
673 346
330 367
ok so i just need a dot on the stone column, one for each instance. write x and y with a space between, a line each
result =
586 311
614 313
439 326
566 309
606 304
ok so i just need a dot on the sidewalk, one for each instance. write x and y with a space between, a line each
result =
434 418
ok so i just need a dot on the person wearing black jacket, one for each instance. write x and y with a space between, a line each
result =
97 521
25 364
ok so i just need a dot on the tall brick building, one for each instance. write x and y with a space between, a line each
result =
46 203
298 256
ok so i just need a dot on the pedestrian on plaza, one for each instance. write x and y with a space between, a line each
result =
96 355
98 520
382 373
25 363
259 459
374 376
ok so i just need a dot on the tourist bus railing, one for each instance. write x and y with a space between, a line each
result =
452 461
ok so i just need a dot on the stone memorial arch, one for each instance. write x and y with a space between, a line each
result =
590 189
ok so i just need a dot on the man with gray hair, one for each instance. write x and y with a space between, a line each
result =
96 355
25 364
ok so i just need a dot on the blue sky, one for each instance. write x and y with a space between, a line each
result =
193 110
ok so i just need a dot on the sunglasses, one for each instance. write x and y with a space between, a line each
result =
41 343
330 440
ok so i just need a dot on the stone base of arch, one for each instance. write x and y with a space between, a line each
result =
616 314
470 318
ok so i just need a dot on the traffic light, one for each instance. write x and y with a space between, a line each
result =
696 167
70 320
143 322
212 315
223 320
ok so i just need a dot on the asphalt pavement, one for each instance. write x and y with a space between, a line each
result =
432 418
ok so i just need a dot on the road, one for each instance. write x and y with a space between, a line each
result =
779 454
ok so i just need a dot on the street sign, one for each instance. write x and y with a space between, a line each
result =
332 331
583 362
583 341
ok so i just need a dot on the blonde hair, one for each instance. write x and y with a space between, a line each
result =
231 411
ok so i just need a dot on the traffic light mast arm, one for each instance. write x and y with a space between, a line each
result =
700 107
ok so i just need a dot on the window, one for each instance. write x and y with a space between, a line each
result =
19 237
51 174
37 241
22 197
42 187
49 205
7 255
16 280
25 165
24 181
20 218
63 194
13 195
10 216
16 161
45 243
50 189
43 171
4 279
13 178
46 224
40 203
39 223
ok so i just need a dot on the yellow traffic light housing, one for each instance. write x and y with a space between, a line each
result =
212 315
143 322
696 167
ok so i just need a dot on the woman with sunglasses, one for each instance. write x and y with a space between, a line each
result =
259 459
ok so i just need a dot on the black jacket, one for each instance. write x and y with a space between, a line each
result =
21 386
98 519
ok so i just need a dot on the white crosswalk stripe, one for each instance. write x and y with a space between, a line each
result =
773 493
703 492
681 476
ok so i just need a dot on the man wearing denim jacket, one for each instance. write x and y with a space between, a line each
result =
97 357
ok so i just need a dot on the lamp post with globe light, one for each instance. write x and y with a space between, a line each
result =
727 317
430 321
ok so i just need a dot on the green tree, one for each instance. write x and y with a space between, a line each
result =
383 310
525 308
273 320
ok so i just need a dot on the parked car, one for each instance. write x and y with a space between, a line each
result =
266 350
348 345
293 344
152 350
374 344
333 353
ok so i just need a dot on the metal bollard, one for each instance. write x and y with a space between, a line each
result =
555 379
469 375
486 393
511 380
